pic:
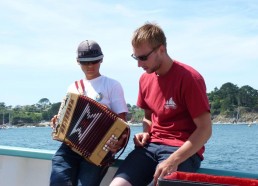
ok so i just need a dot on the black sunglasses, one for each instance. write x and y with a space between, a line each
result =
144 57
89 62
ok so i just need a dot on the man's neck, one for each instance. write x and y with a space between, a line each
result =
165 66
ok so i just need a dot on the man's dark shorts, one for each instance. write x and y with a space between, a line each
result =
139 166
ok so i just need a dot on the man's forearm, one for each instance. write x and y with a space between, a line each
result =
146 125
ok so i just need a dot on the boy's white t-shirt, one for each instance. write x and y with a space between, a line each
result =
106 91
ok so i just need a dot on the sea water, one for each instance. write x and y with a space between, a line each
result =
231 147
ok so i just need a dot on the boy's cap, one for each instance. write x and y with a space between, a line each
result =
89 50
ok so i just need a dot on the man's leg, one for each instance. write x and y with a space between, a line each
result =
138 168
90 174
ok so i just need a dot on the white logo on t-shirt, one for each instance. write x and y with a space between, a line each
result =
170 104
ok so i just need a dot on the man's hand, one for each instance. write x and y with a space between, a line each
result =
166 167
141 139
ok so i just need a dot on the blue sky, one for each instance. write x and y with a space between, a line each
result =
38 41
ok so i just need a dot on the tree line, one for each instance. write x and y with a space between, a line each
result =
228 100
232 101
43 111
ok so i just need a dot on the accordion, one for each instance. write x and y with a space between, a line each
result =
86 125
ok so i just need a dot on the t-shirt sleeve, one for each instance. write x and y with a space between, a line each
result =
195 95
118 104
72 89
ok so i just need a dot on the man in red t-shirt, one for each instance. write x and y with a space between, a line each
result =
177 121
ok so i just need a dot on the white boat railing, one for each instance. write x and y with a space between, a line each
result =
29 167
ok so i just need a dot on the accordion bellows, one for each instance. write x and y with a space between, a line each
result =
86 125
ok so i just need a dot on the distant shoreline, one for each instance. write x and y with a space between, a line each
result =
217 123
131 125
244 119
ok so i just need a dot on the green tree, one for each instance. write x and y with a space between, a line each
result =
44 102
248 96
232 101
53 110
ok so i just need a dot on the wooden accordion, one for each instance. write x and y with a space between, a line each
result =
86 125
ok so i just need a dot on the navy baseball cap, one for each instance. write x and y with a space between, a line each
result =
89 50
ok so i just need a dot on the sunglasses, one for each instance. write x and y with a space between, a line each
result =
89 62
144 57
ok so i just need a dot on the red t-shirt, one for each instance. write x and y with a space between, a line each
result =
175 99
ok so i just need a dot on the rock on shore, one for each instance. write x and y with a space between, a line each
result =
244 118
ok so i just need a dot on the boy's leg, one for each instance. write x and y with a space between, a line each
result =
65 166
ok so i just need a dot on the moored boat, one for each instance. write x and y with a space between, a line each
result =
28 167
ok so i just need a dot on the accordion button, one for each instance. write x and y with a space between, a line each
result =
105 149
113 137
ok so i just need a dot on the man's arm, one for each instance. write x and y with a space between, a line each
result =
194 143
146 123
142 138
